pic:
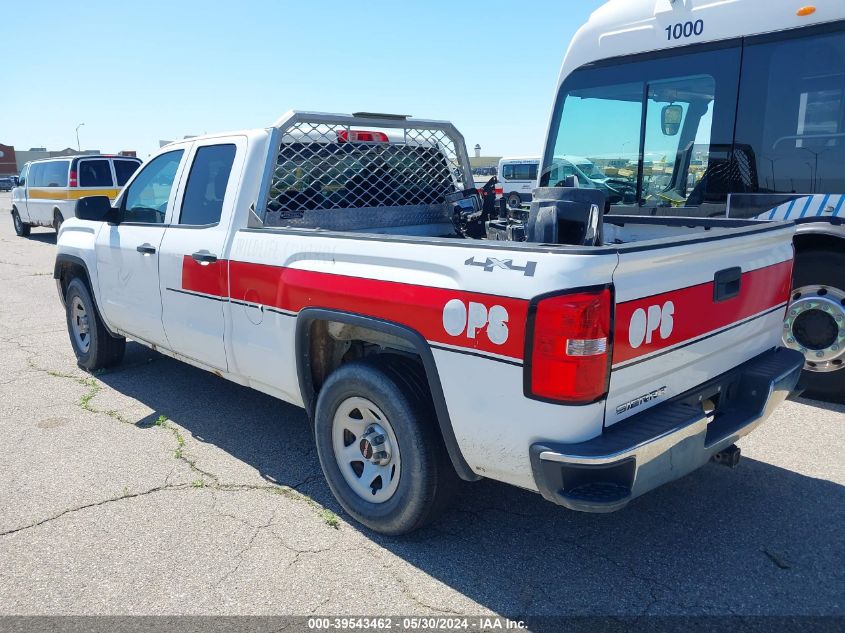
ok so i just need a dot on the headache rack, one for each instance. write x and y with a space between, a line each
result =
362 172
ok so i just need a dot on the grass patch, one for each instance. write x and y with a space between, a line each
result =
198 483
330 518
93 389
327 516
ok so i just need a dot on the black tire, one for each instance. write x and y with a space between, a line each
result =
22 229
427 480
514 201
103 349
821 267
57 220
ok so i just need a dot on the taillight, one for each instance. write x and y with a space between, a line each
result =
500 191
361 136
569 347
71 181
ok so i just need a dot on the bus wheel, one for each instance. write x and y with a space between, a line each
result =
514 201
815 323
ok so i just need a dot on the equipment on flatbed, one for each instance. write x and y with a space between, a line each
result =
558 215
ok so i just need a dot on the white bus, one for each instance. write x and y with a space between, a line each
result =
701 108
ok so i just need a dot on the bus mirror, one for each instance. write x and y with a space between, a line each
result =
670 119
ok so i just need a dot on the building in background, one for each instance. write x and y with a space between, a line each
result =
12 161
36 153
8 162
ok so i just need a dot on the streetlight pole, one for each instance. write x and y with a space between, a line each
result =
78 146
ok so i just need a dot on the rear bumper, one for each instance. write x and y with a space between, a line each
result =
666 442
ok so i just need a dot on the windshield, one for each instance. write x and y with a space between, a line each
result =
649 134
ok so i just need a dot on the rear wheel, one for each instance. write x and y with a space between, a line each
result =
57 220
514 201
94 347
379 445
815 323
21 228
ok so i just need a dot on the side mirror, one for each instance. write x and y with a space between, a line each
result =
96 209
670 119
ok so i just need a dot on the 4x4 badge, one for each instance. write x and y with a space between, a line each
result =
492 263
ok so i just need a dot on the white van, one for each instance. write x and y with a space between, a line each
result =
517 179
48 189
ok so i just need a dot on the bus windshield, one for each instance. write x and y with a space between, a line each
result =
675 133
644 131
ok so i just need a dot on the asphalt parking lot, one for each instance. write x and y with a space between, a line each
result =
156 488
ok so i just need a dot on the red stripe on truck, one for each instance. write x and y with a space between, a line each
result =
487 323
211 278
661 321
485 327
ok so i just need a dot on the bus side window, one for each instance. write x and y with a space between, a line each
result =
792 113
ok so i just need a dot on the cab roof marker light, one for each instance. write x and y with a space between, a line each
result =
805 11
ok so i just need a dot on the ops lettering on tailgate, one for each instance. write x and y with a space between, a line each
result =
644 323
460 318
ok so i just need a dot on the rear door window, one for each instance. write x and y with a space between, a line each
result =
123 170
95 173
54 174
202 203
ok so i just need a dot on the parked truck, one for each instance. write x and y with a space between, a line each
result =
325 260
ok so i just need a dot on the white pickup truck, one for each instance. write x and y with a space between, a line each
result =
327 261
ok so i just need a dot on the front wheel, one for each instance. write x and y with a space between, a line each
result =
815 323
379 444
94 347
57 220
21 228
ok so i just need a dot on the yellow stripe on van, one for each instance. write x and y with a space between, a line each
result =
69 194
76 194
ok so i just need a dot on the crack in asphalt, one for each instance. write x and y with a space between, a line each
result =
85 403
102 502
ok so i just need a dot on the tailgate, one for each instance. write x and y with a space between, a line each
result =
694 309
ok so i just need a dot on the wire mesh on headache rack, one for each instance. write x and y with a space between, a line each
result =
406 171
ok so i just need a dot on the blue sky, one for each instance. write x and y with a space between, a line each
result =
137 72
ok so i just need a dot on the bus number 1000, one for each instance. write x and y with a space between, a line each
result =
684 29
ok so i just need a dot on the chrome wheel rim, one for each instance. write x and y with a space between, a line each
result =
815 326
80 325
366 450
18 223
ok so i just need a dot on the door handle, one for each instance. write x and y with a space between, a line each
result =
146 249
726 284
204 257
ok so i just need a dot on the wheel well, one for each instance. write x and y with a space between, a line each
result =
326 339
332 343
67 271
817 241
